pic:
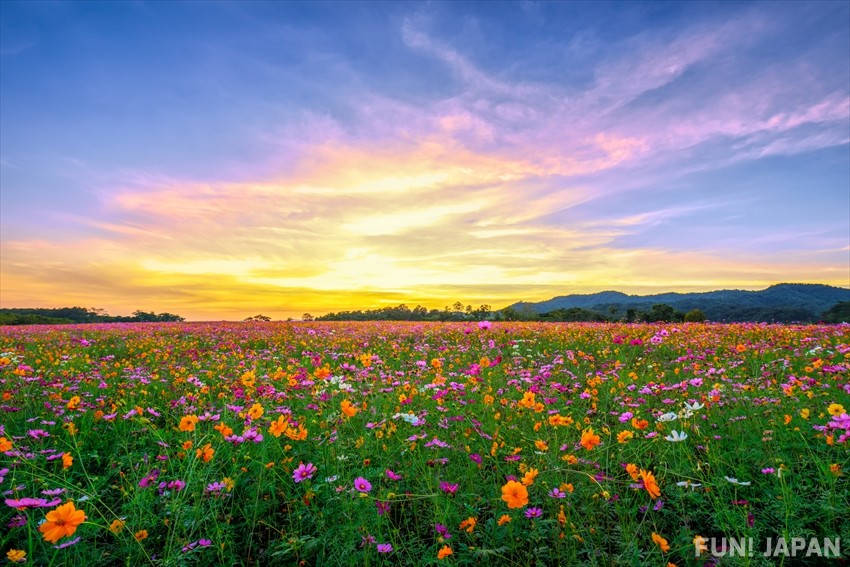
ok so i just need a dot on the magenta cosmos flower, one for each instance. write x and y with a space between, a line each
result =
362 485
304 472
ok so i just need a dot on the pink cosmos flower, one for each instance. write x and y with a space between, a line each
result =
362 485
24 503
304 472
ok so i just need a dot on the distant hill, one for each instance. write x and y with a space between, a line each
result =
782 303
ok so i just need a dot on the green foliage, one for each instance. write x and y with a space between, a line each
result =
573 314
663 313
695 316
457 312
838 313
73 315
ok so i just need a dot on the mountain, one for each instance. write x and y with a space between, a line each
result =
781 302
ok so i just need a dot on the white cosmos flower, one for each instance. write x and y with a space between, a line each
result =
667 417
676 436
736 481
692 485
696 406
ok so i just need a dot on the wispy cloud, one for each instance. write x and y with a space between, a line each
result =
490 190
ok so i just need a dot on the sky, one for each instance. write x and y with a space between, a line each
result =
220 160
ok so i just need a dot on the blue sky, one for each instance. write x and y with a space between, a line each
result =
223 159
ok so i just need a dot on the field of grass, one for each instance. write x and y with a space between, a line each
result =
420 444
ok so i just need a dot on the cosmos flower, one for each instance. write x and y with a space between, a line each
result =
514 494
304 472
362 485
589 439
61 522
736 481
25 503
650 484
661 542
187 423
468 524
676 436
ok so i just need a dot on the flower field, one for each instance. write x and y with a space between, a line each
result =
419 444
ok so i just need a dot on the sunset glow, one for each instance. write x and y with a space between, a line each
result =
219 160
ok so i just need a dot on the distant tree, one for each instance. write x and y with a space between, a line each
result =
573 314
694 316
838 313
481 313
144 316
631 315
258 318
307 317
169 317
508 314
662 313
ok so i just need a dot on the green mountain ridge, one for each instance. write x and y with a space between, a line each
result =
781 302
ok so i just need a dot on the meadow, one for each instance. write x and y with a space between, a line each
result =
420 443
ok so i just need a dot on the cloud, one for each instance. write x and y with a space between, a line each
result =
494 190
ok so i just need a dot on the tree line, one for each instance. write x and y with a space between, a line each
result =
663 313
457 312
74 315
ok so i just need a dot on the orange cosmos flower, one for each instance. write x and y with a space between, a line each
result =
650 484
661 542
248 379
256 411
206 453
223 429
117 526
67 460
640 424
528 478
277 428
444 552
140 535
5 445
624 436
187 422
348 408
515 494
61 522
632 469
589 439
504 519
468 524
